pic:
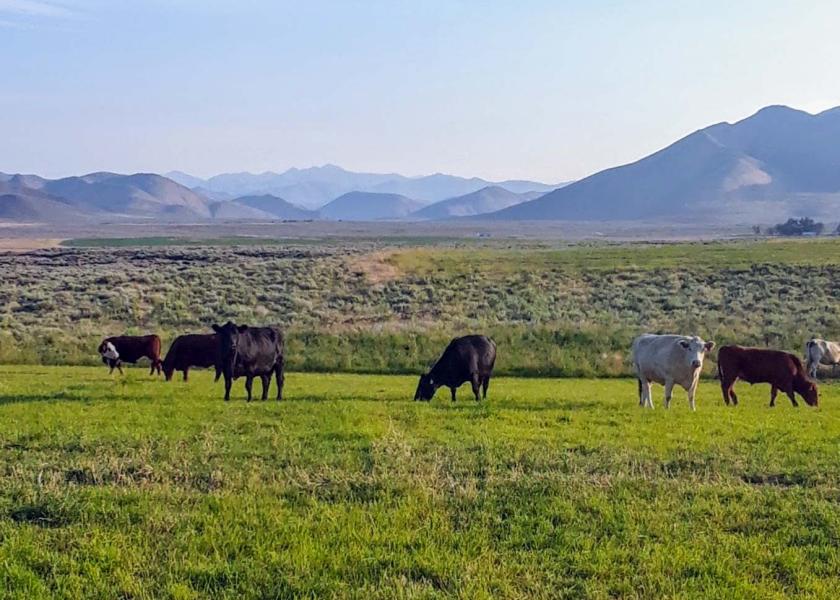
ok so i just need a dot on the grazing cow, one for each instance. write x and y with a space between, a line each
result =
129 349
252 352
782 370
668 360
821 352
469 358
192 350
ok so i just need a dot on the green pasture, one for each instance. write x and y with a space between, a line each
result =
131 487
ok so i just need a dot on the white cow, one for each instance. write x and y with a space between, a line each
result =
668 359
819 352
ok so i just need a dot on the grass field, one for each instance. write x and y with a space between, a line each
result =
367 307
135 488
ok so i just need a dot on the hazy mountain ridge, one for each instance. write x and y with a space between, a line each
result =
778 162
370 206
314 187
485 200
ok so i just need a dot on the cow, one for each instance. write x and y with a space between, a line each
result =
668 360
469 358
821 352
251 352
782 370
192 350
115 351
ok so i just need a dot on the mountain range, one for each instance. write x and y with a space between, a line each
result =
148 196
779 162
316 186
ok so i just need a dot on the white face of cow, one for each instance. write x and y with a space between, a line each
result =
109 351
694 350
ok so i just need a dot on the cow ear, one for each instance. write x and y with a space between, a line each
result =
684 344
242 328
709 346
216 328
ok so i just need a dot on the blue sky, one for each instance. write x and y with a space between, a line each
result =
540 89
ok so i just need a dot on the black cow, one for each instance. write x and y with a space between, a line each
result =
129 349
469 358
192 350
251 352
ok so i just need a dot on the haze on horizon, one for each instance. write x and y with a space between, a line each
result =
544 90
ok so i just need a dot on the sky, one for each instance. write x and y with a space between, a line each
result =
549 90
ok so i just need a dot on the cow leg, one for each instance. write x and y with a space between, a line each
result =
790 395
266 381
773 392
727 384
476 386
249 383
647 400
452 389
228 382
280 376
484 385
119 368
186 373
669 389
691 393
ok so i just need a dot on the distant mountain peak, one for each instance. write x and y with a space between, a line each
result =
766 166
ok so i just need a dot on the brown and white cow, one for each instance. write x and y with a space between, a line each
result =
668 360
820 352
129 349
782 370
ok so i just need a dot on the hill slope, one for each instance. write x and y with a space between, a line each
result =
777 162
485 200
277 207
369 206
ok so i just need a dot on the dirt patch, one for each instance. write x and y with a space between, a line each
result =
27 244
375 267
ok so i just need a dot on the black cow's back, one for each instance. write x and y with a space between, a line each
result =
192 350
463 357
260 350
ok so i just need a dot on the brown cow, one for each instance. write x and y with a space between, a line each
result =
192 350
782 370
129 349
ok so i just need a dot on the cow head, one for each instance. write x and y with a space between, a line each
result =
228 338
810 393
168 369
695 351
426 388
108 351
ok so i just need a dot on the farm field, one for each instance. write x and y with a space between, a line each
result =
390 307
133 487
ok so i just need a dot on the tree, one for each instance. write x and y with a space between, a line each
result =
799 226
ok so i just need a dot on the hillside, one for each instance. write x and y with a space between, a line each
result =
276 207
485 200
369 206
779 162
